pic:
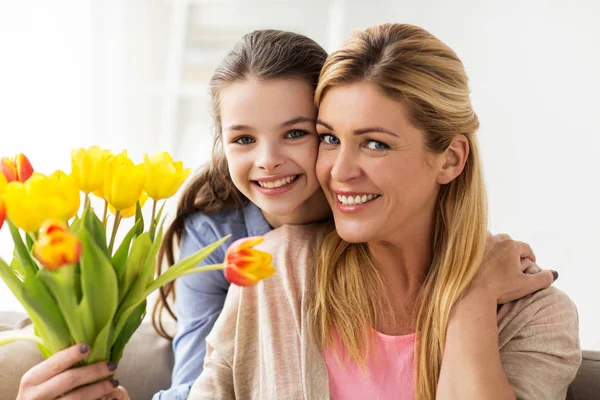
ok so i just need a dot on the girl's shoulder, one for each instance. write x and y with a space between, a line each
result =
238 222
294 248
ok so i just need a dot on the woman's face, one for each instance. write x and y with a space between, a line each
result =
377 176
270 142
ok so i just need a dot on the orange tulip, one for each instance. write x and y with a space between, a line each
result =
245 266
16 169
56 246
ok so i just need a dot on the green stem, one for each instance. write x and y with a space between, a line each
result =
104 221
153 211
87 201
10 339
166 279
114 231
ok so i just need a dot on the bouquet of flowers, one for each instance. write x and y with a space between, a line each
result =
77 282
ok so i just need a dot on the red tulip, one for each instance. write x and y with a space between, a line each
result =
16 169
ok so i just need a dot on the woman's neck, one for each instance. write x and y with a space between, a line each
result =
403 264
315 209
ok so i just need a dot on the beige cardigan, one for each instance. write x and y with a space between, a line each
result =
260 347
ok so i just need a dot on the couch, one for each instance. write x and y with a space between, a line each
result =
148 360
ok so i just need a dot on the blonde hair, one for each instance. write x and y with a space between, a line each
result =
412 66
262 54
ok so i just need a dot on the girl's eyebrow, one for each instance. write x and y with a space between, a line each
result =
297 120
291 122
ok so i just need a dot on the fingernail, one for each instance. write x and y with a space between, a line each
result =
555 275
84 348
111 365
115 382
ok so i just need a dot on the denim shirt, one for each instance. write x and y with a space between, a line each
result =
200 297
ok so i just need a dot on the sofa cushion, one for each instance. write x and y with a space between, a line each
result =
144 369
586 385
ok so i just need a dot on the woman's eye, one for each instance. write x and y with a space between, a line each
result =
329 139
375 145
244 140
295 134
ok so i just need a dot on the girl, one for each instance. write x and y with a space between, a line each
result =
262 176
398 299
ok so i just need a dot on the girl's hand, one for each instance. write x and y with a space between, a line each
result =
53 379
508 271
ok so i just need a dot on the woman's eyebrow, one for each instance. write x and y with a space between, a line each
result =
363 130
319 122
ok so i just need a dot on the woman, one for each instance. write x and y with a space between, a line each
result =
400 299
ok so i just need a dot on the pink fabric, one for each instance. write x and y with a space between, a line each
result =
390 370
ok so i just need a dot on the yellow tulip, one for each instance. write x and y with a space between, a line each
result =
106 155
163 175
130 212
123 182
87 168
3 184
41 198
56 246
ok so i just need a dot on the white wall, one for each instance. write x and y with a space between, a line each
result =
76 72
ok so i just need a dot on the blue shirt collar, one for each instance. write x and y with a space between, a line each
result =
256 224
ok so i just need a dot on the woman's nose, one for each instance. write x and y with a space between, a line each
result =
346 166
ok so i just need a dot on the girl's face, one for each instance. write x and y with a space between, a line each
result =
373 166
271 144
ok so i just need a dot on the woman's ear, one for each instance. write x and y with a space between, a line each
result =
454 159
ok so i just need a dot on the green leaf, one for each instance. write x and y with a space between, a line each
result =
40 306
27 262
133 322
62 284
183 265
119 260
99 286
96 229
136 294
135 262
29 242
17 268
101 346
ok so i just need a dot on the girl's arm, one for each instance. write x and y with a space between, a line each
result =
199 301
471 365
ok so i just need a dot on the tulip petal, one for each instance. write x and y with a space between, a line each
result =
8 169
23 167
2 212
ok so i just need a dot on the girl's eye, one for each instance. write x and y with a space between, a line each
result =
295 134
244 140
375 145
329 139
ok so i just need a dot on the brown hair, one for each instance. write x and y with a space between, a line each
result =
411 66
262 54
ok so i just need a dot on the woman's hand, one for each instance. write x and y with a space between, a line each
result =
53 379
508 271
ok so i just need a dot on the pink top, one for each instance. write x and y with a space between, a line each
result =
390 371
